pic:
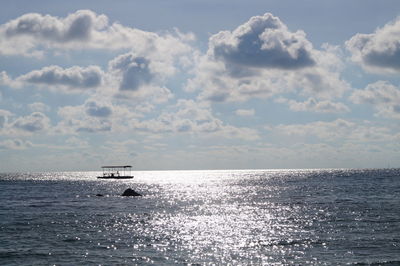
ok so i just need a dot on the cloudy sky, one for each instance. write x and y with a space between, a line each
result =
199 84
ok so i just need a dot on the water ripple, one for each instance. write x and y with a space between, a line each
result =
202 217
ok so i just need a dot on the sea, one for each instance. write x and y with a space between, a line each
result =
227 217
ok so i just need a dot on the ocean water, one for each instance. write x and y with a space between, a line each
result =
269 217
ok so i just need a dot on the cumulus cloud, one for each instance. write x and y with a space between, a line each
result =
127 76
39 107
188 116
26 33
96 110
135 71
216 84
313 105
263 42
4 118
5 79
139 80
95 116
84 29
33 123
384 96
185 116
84 118
15 144
378 51
138 76
320 82
262 58
77 26
74 78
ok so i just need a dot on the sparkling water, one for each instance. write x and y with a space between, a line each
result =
242 217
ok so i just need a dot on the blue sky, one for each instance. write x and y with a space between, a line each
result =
199 84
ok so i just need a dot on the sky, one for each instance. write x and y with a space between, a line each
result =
177 85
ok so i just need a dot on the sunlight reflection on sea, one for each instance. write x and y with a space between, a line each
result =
239 217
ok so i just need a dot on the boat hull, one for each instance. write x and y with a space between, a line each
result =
115 177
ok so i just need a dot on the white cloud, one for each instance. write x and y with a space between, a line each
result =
72 79
216 83
76 27
31 34
320 82
141 80
245 112
263 42
39 107
4 119
185 116
314 105
262 58
15 144
33 123
379 51
5 80
95 109
384 96
135 71
145 98
95 116
188 116
76 119
128 77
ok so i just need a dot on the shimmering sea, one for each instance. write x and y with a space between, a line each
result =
238 217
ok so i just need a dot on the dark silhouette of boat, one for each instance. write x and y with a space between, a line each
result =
116 172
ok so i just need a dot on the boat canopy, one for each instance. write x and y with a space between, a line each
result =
116 171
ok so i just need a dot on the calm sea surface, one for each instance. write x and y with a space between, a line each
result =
202 217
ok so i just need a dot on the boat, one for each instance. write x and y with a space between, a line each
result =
116 172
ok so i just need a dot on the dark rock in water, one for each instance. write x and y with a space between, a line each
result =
99 195
130 193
